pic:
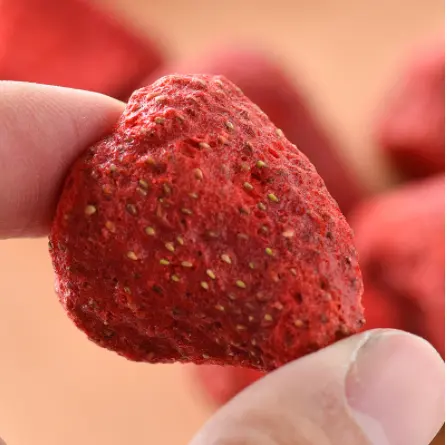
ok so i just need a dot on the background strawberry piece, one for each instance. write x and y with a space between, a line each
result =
71 43
411 129
400 239
382 309
222 383
264 81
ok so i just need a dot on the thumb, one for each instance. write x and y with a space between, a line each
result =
43 129
381 387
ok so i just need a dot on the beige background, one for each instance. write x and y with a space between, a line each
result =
57 388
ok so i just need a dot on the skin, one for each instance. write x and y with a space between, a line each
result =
380 387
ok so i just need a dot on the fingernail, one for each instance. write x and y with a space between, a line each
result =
394 384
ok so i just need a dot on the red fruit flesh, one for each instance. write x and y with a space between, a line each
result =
411 129
265 82
400 239
71 43
198 232
222 383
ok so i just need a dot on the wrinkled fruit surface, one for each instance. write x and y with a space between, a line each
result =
400 239
221 383
411 129
264 81
198 232
72 43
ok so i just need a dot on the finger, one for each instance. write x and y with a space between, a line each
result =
381 387
42 130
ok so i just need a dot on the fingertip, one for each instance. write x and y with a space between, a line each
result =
43 129
378 387
395 388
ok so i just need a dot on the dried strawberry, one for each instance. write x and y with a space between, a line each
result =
264 81
198 232
400 239
411 129
222 383
74 44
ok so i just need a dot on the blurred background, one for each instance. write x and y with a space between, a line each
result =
342 57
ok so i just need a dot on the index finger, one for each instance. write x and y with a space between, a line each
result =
42 131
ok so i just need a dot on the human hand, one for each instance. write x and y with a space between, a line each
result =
380 387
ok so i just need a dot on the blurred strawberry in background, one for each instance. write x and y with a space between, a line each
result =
262 78
411 128
401 243
221 383
74 44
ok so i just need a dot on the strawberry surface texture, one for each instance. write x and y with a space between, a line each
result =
267 83
196 232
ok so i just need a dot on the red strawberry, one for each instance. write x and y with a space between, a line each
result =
71 43
411 129
400 238
264 81
197 232
222 383
383 310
